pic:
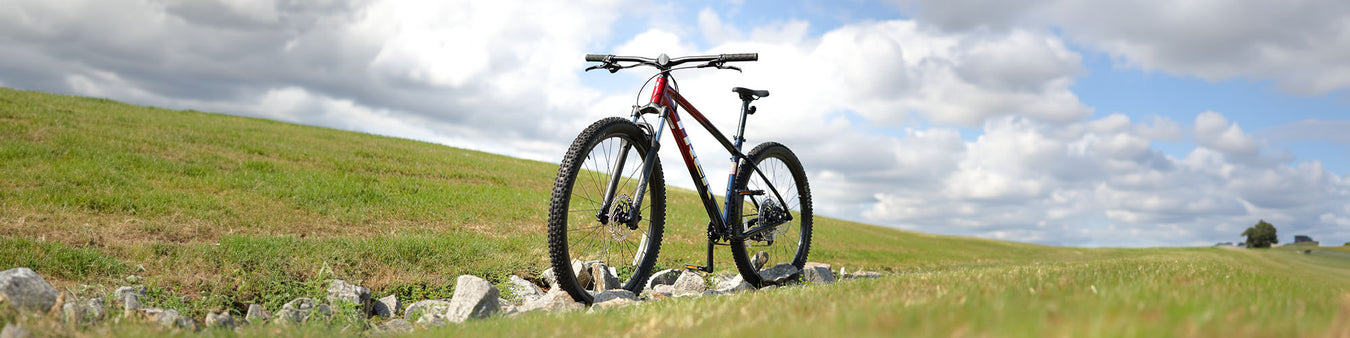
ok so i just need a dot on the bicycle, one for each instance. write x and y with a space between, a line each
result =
603 189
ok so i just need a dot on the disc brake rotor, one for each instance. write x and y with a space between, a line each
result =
617 227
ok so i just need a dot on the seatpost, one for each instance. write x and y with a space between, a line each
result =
740 128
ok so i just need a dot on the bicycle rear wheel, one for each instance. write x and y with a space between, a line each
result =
789 240
579 228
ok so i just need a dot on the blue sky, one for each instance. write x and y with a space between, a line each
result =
1060 122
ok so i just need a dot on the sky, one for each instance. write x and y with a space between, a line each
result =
1075 123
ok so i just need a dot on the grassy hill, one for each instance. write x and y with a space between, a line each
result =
220 211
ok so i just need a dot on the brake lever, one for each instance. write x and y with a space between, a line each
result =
720 65
611 67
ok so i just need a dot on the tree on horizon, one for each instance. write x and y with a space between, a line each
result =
1261 235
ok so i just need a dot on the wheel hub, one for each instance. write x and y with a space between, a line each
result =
771 214
621 225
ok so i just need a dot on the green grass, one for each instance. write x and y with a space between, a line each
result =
218 211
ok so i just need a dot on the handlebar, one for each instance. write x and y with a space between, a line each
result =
610 61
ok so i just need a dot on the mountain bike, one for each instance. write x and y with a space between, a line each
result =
609 199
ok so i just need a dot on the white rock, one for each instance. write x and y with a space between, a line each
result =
341 291
554 300
779 274
613 294
302 310
395 325
219 320
475 298
603 278
664 277
759 260
524 290
734 284
424 308
386 307
12 330
27 291
818 275
689 282
257 314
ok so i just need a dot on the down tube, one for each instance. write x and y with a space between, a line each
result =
690 159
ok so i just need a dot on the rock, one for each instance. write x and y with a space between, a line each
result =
121 293
395 325
553 300
689 282
663 288
549 277
302 310
818 275
759 260
815 264
604 278
767 288
420 309
779 274
710 293
89 313
71 313
843 274
221 320
341 291
612 303
583 271
130 305
524 290
613 294
170 318
664 277
475 298
12 330
94 309
257 314
26 291
386 307
507 307
861 274
134 279
734 284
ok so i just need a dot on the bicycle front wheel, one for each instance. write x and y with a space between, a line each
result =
787 221
605 163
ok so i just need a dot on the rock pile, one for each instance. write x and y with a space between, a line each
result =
474 298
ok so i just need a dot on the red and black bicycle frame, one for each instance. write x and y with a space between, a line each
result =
665 102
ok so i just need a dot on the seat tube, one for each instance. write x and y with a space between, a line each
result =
738 140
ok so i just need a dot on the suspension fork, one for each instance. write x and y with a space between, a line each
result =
649 161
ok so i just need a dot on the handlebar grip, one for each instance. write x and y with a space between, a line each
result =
596 57
740 57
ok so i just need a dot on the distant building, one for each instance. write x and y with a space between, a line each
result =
1304 240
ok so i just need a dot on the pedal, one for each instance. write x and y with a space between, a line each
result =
698 268
750 192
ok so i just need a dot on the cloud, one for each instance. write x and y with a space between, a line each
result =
1310 130
1100 182
1212 130
1299 44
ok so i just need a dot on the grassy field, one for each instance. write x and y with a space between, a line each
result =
218 211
